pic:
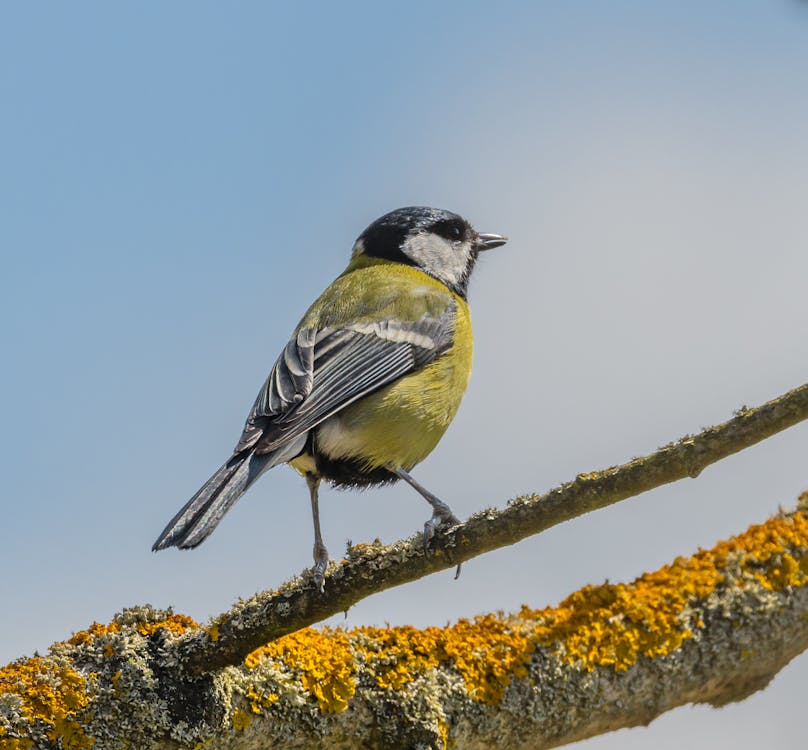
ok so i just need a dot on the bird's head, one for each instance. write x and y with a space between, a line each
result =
440 243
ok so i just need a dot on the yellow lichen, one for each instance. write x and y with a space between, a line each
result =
487 651
323 660
51 694
241 720
115 679
396 655
55 695
95 630
14 743
261 700
443 732
176 624
613 625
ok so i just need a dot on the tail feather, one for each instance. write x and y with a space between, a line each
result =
200 515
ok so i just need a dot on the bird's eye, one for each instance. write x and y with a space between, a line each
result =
450 229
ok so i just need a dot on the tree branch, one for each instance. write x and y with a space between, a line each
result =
369 569
710 628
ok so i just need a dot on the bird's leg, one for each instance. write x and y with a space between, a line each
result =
320 552
441 513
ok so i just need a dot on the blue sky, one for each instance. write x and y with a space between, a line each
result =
180 180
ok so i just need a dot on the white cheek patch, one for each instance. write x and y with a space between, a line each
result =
442 259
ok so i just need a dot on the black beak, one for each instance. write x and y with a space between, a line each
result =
489 241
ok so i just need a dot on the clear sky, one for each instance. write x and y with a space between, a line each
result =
179 180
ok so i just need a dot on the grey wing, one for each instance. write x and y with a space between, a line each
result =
322 371
290 381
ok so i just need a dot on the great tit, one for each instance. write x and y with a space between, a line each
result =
370 379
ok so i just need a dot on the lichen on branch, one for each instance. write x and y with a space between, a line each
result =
711 627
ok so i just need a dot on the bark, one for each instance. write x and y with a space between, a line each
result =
710 628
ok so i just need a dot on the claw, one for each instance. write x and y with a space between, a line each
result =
442 515
320 565
429 532
319 578
431 526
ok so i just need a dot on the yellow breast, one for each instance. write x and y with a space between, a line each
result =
402 423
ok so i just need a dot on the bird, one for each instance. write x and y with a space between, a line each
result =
369 381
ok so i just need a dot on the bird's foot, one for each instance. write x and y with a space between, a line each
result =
320 564
442 514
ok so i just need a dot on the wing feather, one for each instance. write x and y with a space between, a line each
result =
321 371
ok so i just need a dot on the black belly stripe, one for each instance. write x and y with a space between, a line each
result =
346 472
